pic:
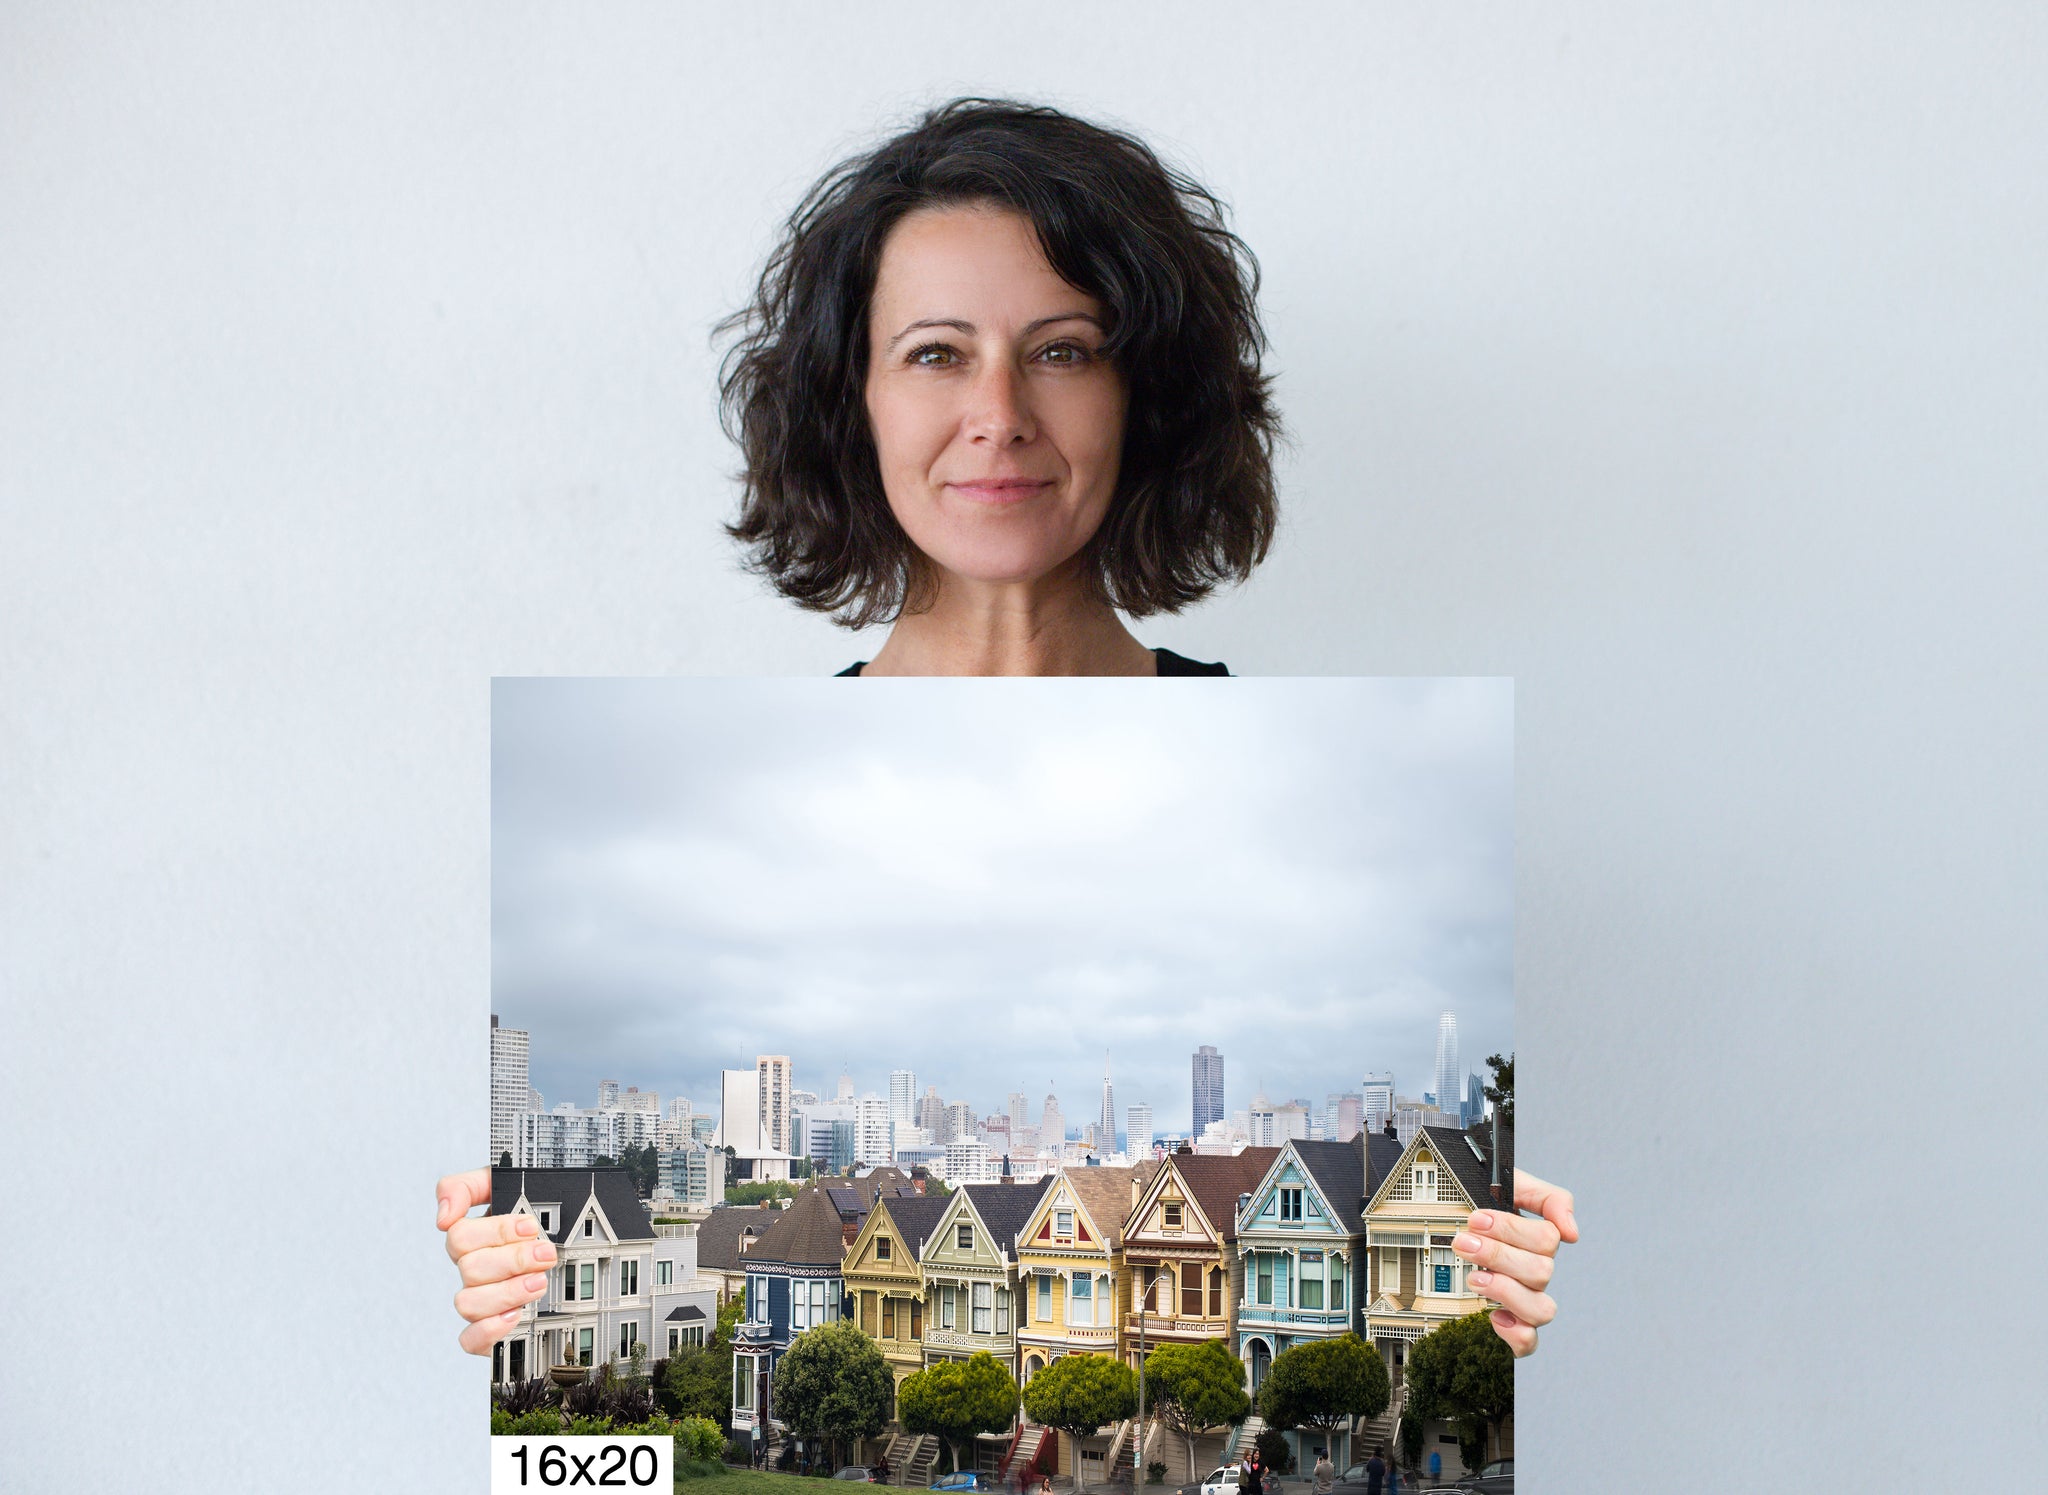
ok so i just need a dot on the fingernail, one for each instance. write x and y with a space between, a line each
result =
1481 1221
534 1283
1465 1245
1479 1278
544 1252
441 1214
1572 1220
526 1225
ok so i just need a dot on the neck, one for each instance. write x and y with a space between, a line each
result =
1050 627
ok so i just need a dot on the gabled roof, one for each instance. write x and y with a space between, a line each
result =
1339 1171
1105 1193
718 1236
1469 1154
809 1233
1004 1208
1382 1154
1214 1182
571 1189
916 1216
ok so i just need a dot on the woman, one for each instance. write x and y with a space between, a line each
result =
1000 383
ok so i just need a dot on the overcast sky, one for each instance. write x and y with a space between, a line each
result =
995 883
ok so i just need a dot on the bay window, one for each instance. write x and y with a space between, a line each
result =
1044 1297
1002 1310
1191 1289
984 1308
1081 1299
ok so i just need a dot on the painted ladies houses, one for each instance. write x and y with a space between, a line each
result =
793 1283
970 1269
1070 1255
617 1281
1417 1205
724 1237
885 1282
1299 1232
1180 1245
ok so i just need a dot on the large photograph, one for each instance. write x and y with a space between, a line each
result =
978 1084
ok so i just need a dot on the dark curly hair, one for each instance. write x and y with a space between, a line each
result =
1194 504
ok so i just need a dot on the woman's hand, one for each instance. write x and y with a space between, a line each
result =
1516 1257
502 1261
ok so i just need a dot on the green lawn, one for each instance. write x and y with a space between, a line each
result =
748 1482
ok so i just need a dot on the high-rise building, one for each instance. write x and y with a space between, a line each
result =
1449 1083
802 1098
957 1122
873 1140
845 1094
1020 1112
1138 1132
931 1111
903 1097
739 1109
968 1161
771 1073
1105 1125
1343 1118
633 1098
678 1110
535 1101
1475 1100
1208 1093
1379 1101
1052 1126
510 1091
607 1095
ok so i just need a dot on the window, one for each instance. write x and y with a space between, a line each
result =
867 1314
881 1248
984 1308
588 1280
1063 1222
1265 1278
1105 1298
1390 1270
945 1308
799 1308
1169 1216
1337 1275
963 1237
629 1278
1191 1289
1290 1204
1045 1298
674 1338
1425 1185
917 1318
547 1220
589 1225
629 1332
1215 1292
888 1318
1443 1267
1081 1299
664 1274
818 1303
586 1340
1281 1296
743 1383
1311 1290
568 1282
1002 1310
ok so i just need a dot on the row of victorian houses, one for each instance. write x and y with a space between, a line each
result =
1265 1249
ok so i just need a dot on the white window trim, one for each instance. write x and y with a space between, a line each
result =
665 1272
1074 1298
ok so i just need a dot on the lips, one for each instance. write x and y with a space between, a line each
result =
1000 490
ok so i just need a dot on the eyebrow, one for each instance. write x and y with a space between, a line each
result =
968 327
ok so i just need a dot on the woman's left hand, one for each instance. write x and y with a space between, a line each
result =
1516 1257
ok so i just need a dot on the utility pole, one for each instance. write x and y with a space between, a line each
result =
1138 1458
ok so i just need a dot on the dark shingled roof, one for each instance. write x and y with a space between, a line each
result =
1005 1207
1339 1171
1469 1156
687 1311
1105 1192
1381 1154
718 1236
916 1216
1215 1181
809 1233
571 1188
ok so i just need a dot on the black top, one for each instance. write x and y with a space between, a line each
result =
1170 663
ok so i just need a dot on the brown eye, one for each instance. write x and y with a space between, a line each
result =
1065 354
931 355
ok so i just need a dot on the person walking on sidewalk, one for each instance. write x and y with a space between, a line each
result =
1375 1472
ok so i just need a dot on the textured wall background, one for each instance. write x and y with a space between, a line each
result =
1688 369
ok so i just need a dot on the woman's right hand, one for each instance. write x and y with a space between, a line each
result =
502 1261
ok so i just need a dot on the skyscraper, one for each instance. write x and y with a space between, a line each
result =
1475 1099
772 1072
845 1095
957 1122
1449 1085
1379 1100
873 1137
1208 1096
510 1091
1052 1126
1105 1127
607 1094
903 1097
931 1111
1020 1113
1138 1132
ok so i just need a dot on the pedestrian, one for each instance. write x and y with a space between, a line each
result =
1250 1477
1326 1473
1375 1471
1436 1465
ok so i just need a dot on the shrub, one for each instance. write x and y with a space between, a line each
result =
1155 1473
542 1424
1274 1452
698 1440
521 1397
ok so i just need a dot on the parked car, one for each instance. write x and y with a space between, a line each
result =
1497 1478
856 1472
1221 1481
965 1479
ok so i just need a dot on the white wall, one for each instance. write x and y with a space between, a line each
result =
1687 368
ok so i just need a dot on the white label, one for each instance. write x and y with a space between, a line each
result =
528 1464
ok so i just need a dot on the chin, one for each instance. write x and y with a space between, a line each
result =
998 559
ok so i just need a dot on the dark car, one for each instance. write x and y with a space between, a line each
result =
856 1472
1355 1479
1497 1478
966 1479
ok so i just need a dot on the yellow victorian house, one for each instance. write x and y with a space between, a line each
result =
884 1282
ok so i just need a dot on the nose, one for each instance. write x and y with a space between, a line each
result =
999 406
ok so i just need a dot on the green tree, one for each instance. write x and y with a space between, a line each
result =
1502 1091
643 1166
955 1399
1194 1387
833 1383
1321 1383
698 1381
1078 1394
759 1193
1464 1374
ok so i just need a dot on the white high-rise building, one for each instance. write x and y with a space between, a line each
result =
771 1074
958 1122
845 1093
607 1094
535 1101
633 1098
1105 1127
1378 1095
968 1162
903 1097
1138 1132
510 1091
873 1139
1450 1080
739 1110
679 1111
1052 1126
1020 1112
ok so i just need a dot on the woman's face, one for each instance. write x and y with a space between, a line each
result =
997 424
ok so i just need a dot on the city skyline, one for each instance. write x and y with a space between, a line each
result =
991 887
